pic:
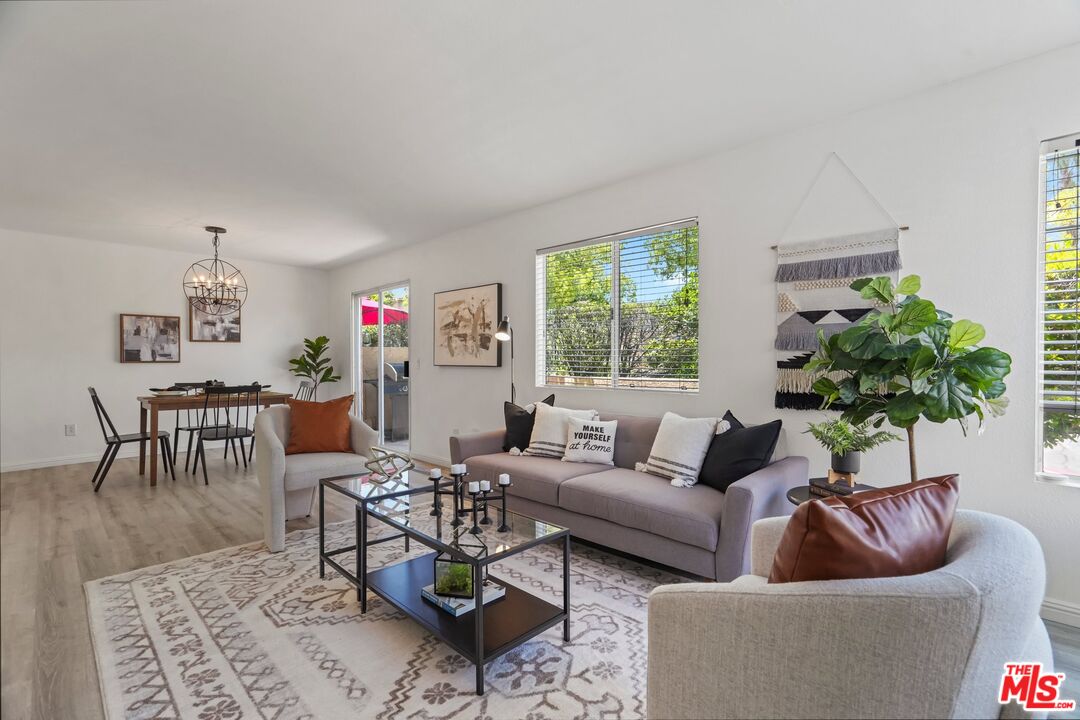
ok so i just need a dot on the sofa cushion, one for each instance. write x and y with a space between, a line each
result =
649 503
534 478
304 470
634 439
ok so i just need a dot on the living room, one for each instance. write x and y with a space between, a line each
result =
410 181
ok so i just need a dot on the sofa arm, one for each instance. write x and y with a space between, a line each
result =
463 447
363 438
843 649
761 494
270 467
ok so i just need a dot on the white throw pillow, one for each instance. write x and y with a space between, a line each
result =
590 441
550 427
679 448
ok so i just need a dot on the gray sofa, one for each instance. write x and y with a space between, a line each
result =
921 646
699 529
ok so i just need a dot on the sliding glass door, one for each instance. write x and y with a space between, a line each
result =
381 362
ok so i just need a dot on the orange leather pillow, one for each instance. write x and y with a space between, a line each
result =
902 530
319 426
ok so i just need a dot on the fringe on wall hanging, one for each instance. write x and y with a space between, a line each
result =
812 295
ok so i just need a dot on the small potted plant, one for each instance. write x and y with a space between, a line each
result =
847 442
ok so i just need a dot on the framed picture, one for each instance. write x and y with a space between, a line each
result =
149 338
213 328
465 324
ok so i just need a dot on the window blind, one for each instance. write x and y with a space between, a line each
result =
1059 386
620 311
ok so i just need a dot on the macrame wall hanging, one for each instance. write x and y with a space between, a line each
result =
813 275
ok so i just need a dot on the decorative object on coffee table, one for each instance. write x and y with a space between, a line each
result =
387 464
465 324
504 483
452 577
458 472
909 360
847 442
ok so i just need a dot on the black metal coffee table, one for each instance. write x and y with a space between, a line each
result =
405 505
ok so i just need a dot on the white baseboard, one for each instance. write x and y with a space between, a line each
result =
1066 613
134 452
67 460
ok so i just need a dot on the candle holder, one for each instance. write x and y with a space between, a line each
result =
504 482
485 520
459 499
475 529
436 505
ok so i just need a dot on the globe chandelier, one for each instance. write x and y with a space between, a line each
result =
215 286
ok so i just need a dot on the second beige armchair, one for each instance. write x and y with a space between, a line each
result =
288 482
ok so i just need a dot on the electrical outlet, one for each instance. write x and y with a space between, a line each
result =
69 430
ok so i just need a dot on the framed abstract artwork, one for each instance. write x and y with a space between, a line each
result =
203 327
465 324
149 338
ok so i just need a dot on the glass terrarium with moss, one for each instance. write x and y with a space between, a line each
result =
452 577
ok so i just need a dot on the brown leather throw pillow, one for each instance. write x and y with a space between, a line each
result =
319 426
902 530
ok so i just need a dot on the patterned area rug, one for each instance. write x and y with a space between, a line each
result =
244 633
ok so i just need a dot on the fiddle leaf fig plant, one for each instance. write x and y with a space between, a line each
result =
907 361
313 365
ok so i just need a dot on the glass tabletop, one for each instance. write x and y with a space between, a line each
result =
412 513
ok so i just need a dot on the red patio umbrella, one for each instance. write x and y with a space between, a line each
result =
369 313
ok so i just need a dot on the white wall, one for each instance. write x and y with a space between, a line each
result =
957 164
59 333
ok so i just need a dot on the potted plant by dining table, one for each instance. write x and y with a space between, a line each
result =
847 442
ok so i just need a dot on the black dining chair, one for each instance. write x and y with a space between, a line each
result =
306 391
114 440
226 416
190 426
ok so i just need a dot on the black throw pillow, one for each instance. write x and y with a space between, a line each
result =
519 424
738 452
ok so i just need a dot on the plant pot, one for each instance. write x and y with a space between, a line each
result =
847 463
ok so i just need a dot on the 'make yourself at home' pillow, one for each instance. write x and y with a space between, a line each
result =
519 423
591 441
550 428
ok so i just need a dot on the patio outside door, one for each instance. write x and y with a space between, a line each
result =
381 372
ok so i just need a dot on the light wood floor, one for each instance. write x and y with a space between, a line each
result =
56 534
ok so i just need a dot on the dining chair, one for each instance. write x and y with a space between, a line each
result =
226 416
306 391
190 426
114 440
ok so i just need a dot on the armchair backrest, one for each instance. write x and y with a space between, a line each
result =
275 420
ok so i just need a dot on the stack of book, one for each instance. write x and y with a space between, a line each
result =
457 606
822 488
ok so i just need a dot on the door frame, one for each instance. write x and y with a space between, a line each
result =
356 352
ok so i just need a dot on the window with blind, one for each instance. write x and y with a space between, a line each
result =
1059 355
620 311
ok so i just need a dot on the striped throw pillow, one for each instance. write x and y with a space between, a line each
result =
679 448
550 428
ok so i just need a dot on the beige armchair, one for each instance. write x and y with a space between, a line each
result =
923 646
289 482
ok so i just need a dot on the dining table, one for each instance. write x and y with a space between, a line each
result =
151 405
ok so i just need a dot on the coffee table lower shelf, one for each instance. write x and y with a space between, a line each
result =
508 621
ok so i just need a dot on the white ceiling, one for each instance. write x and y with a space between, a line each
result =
320 132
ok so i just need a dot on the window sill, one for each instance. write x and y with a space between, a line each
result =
666 391
1051 479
